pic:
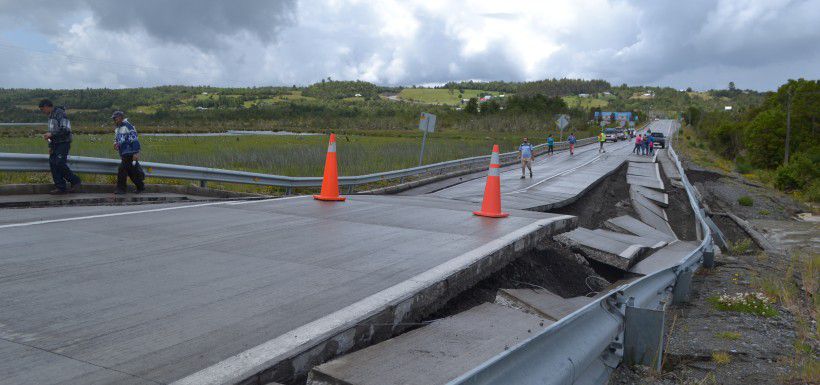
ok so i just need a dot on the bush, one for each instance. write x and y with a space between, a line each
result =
798 174
743 167
740 247
745 201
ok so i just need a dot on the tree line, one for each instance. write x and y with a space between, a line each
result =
756 137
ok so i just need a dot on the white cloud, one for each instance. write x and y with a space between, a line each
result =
703 43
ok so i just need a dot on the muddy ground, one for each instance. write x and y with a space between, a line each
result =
721 193
710 346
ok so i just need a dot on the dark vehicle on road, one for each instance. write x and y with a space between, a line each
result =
660 140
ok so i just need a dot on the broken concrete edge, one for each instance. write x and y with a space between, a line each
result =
607 258
360 324
24 189
576 197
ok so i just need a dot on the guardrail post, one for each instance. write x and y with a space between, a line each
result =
643 336
709 257
680 293
203 183
350 189
288 190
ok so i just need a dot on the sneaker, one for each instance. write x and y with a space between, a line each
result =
57 191
530 175
119 192
522 177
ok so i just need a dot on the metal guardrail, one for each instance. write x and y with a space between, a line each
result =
585 346
82 164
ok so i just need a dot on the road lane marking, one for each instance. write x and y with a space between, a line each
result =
47 221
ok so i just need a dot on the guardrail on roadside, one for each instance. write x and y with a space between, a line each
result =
584 347
82 164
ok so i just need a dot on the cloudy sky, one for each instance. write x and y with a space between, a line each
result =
704 44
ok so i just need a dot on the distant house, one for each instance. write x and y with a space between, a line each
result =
583 95
502 95
358 95
200 108
607 93
486 98
648 95
204 93
727 108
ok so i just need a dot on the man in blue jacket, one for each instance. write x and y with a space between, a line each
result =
127 143
59 143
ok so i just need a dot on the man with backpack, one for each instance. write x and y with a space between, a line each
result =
59 143
127 143
525 153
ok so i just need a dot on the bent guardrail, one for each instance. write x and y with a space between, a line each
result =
585 346
39 162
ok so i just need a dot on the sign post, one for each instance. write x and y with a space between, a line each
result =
562 122
427 123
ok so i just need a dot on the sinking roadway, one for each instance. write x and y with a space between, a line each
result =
256 290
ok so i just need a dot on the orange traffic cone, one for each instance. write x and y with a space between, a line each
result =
491 206
330 181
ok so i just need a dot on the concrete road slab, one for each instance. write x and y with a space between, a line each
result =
635 226
669 167
658 197
541 302
609 251
436 353
651 243
645 181
158 294
664 258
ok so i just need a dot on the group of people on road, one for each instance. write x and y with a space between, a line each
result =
644 144
59 137
526 152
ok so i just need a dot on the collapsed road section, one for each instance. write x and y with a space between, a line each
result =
515 308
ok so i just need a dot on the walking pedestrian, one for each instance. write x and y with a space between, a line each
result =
550 144
59 143
651 145
525 153
601 140
646 139
571 140
637 149
128 145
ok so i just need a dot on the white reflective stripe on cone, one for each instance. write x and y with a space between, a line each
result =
331 147
494 171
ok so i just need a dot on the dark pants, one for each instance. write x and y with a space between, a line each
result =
57 161
549 150
130 169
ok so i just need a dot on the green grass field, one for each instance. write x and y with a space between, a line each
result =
281 155
440 96
586 103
